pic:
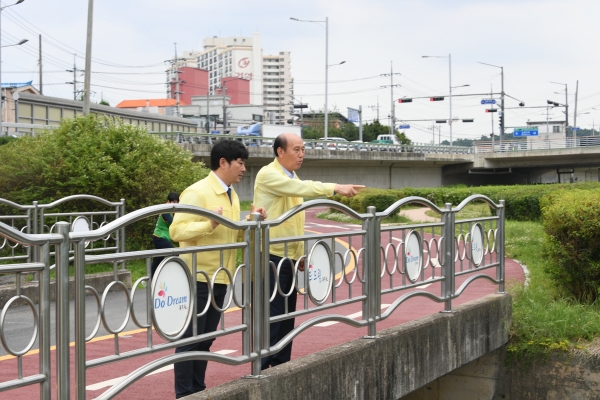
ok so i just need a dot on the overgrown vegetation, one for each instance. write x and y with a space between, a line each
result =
98 156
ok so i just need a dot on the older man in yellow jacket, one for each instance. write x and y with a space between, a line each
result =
278 189
215 193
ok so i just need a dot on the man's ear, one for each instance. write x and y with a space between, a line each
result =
223 162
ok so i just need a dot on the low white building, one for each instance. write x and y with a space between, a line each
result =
551 134
237 114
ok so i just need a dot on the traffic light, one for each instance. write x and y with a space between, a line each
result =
491 110
405 101
438 98
467 120
440 121
552 103
501 122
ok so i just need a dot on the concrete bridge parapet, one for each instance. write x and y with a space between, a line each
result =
401 360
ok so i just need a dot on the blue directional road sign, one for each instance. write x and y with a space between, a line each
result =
575 128
488 101
526 131
215 132
403 126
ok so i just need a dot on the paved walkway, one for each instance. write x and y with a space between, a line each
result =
418 215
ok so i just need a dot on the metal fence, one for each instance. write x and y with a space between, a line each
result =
42 218
365 265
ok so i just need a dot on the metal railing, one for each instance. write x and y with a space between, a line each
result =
42 218
536 144
365 266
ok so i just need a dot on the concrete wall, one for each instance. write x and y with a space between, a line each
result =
374 177
399 361
563 376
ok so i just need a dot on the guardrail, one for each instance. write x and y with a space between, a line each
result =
536 144
42 218
371 264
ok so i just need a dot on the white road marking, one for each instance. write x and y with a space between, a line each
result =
114 381
355 315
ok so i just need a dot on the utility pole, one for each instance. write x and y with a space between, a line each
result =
360 129
40 62
224 108
392 104
376 108
492 117
501 106
88 59
177 92
575 115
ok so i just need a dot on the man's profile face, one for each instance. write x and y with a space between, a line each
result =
233 171
291 158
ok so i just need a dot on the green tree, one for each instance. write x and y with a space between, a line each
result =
95 155
104 102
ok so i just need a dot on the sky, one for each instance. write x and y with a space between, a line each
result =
535 41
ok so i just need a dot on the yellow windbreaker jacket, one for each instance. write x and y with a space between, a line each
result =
277 193
195 230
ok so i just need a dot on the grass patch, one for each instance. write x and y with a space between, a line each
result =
245 205
341 217
543 318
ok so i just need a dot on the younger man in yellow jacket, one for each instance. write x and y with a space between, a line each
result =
278 188
215 193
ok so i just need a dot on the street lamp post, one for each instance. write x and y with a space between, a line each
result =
501 99
20 43
449 57
326 63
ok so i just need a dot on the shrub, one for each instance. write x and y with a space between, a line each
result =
571 222
95 155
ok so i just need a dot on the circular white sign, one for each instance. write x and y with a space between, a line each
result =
320 275
172 300
477 244
81 224
413 254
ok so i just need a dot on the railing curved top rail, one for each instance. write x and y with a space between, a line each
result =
316 203
477 197
145 212
81 197
407 200
28 239
15 205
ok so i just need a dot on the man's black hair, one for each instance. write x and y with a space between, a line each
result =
280 141
229 150
173 197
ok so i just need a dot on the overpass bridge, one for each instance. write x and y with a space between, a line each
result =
391 166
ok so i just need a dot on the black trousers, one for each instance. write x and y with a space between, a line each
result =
189 375
159 243
280 329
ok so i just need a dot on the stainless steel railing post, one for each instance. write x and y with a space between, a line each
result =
62 313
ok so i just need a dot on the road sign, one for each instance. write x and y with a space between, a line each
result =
403 126
215 132
526 131
488 101
575 128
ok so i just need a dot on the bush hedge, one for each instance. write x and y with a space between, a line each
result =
571 221
98 156
522 201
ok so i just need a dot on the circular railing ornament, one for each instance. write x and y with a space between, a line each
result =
320 272
172 301
413 255
80 224
477 249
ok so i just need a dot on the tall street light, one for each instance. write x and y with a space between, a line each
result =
1 100
326 62
449 57
22 41
501 99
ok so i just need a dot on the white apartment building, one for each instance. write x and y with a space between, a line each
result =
271 82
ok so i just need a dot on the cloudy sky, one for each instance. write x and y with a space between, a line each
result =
536 41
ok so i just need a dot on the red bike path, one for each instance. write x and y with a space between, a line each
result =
159 385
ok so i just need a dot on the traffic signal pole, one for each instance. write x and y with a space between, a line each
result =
501 106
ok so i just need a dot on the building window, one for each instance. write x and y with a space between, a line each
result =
556 129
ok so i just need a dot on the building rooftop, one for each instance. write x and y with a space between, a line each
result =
149 102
